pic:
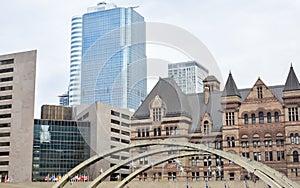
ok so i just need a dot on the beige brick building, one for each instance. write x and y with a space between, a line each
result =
260 123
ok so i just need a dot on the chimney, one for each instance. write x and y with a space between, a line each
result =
206 95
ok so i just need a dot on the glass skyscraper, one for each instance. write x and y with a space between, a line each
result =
113 65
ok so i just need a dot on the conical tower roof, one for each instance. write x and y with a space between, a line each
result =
292 82
230 88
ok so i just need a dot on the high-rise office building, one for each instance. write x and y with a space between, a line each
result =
17 90
188 75
64 99
113 67
75 61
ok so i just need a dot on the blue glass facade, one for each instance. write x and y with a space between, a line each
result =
114 68
58 146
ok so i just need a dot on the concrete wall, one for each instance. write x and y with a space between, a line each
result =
22 112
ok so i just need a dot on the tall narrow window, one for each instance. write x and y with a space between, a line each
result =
259 92
295 157
292 138
156 114
206 128
269 119
246 119
293 114
261 117
230 118
232 142
228 142
167 131
276 117
253 118
154 132
297 138
159 131
139 133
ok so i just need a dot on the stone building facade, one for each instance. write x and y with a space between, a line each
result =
260 123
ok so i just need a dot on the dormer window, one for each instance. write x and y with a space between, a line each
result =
206 128
259 92
156 114
157 108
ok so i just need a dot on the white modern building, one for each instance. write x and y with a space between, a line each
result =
188 75
75 61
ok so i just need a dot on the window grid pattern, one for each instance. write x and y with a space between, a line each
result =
58 147
230 118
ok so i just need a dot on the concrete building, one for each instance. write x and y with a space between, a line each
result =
260 123
17 91
110 127
113 65
189 76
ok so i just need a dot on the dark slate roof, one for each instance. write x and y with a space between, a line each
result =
193 104
175 100
230 88
292 82
199 108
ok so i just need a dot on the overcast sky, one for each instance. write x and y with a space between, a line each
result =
250 38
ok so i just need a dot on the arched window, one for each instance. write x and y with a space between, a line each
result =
261 117
143 132
167 131
246 119
297 138
269 119
232 142
228 142
292 138
276 117
295 157
139 133
253 118
159 131
209 161
193 161
205 161
206 128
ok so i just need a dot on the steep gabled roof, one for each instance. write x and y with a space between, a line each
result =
292 82
230 88
175 100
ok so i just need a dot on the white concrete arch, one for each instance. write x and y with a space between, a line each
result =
264 172
105 174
